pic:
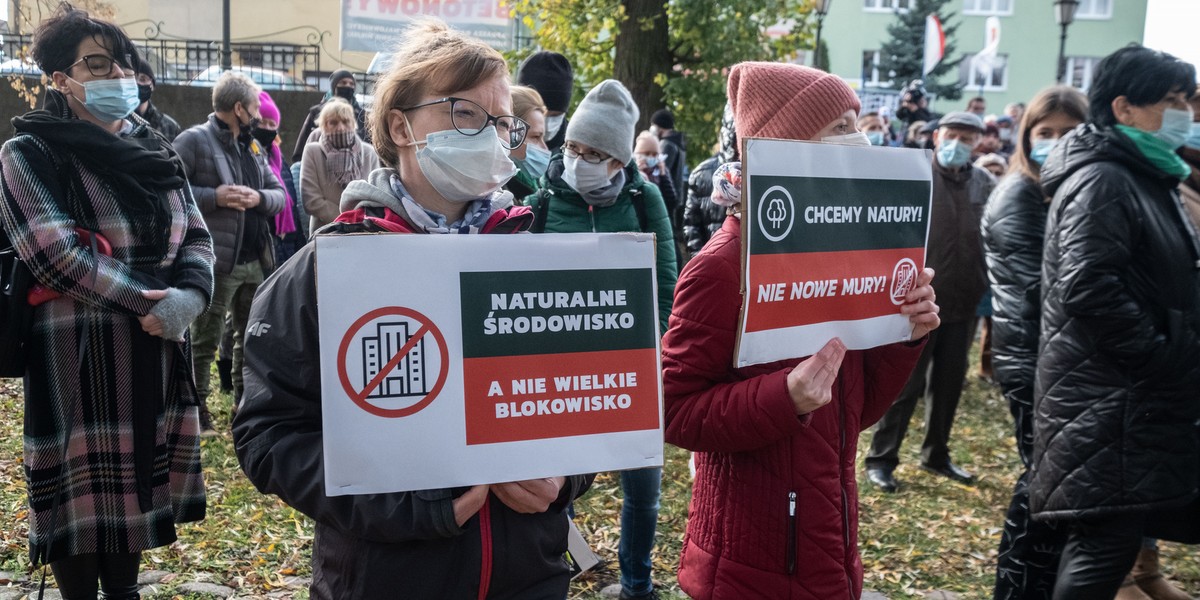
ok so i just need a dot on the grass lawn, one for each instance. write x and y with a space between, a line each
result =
933 535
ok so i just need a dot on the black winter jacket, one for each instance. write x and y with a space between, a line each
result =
701 218
1014 224
1116 401
397 545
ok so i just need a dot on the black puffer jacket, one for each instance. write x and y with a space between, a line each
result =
1115 427
1014 224
701 218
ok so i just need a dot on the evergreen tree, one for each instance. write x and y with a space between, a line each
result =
902 56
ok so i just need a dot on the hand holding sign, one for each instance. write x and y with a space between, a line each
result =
529 496
811 382
466 505
920 304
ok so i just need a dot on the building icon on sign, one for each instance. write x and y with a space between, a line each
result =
407 378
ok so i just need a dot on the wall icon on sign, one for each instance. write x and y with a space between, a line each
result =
408 378
776 213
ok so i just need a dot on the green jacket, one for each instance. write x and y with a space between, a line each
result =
568 213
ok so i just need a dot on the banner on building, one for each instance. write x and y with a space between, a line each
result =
460 360
833 239
376 25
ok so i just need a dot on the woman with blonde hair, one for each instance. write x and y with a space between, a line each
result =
332 162
533 156
443 128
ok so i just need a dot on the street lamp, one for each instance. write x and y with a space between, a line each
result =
1064 13
822 9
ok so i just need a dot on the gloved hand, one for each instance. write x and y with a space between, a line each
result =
175 311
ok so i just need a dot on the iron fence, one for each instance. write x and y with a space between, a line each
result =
274 66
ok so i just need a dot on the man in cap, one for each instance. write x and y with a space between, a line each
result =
955 252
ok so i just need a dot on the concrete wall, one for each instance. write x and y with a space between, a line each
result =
188 105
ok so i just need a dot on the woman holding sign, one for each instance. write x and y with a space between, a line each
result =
774 510
443 129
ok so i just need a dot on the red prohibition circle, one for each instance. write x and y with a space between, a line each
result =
360 397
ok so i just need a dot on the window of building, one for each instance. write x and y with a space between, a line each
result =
871 75
988 7
886 5
1080 70
976 79
1094 9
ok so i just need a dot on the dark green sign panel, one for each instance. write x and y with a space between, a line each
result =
507 313
814 214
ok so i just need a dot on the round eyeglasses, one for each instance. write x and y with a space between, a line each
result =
470 118
100 65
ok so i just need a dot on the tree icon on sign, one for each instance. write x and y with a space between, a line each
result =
776 212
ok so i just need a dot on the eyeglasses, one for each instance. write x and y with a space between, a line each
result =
100 65
470 118
591 156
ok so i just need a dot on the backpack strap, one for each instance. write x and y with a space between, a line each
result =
541 211
639 207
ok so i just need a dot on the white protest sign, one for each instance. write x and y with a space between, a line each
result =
456 360
833 237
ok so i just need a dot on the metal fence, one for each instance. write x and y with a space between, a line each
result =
273 66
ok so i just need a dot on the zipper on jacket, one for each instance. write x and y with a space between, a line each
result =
791 542
485 546
592 216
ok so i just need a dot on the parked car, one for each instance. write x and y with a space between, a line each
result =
265 78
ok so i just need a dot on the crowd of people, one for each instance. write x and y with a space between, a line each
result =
1063 235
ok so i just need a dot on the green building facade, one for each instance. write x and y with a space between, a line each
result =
1027 57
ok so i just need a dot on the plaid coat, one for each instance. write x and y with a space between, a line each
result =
97 386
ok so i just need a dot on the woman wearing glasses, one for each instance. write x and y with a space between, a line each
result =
445 157
595 186
332 162
97 205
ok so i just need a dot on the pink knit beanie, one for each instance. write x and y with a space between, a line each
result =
786 101
267 108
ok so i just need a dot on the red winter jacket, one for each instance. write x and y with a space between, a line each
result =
774 510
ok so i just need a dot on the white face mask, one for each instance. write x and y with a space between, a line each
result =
857 138
552 126
461 167
584 176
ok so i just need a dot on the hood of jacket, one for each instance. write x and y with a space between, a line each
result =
1088 144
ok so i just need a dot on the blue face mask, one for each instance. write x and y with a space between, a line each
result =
953 154
535 162
110 99
1041 150
651 162
1193 140
875 137
1176 127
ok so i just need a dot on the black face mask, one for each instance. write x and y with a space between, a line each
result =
344 92
144 92
265 136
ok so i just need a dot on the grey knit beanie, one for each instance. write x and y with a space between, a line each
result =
605 120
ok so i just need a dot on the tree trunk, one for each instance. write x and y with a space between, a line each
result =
642 53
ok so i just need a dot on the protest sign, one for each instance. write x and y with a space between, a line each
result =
455 360
833 238
375 25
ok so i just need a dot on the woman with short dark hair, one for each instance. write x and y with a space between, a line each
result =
96 203
1115 435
